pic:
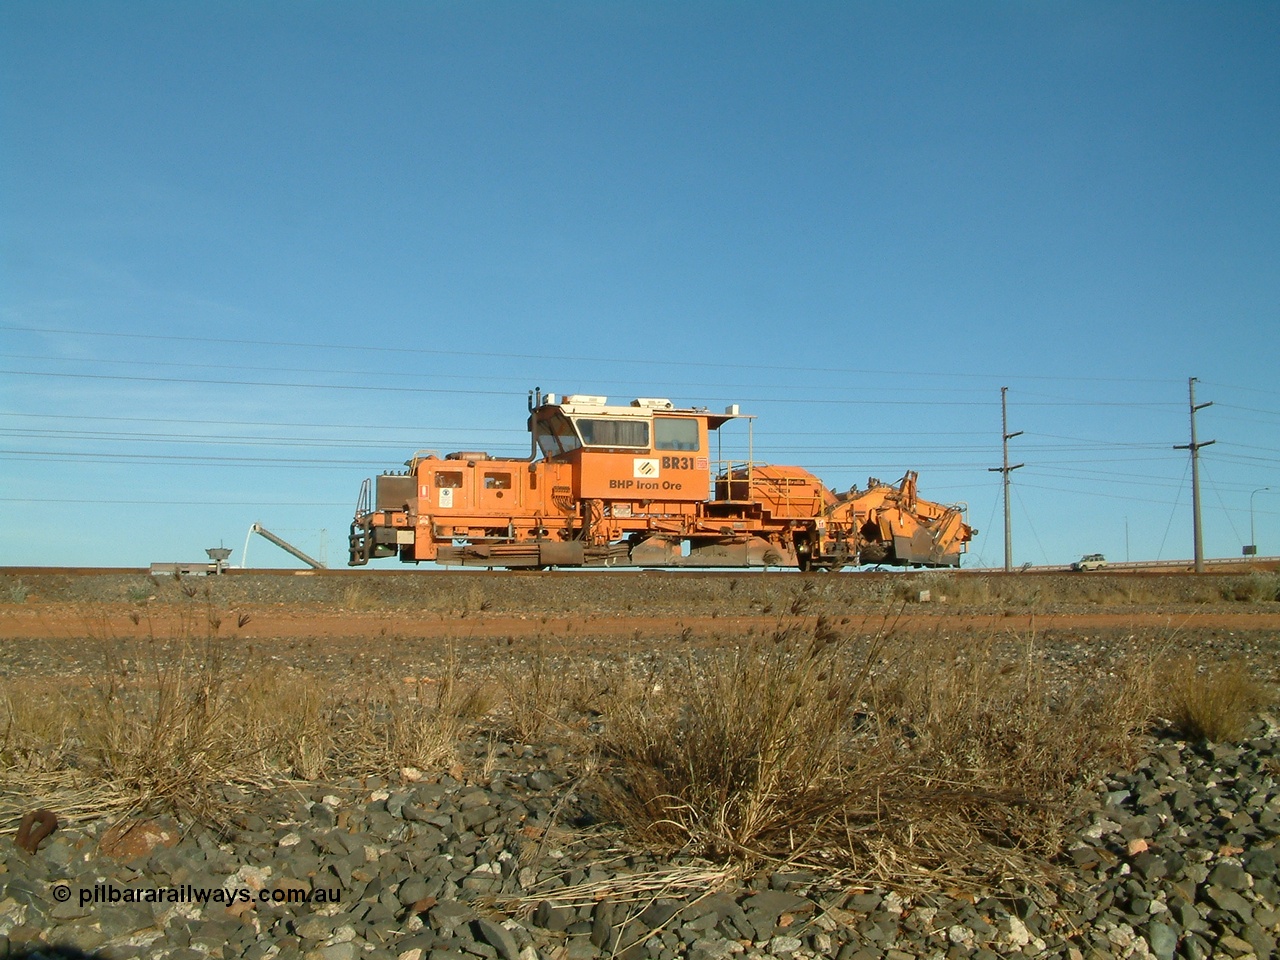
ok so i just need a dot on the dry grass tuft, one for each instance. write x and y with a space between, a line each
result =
734 753
357 598
166 732
1257 587
544 697
1212 703
892 759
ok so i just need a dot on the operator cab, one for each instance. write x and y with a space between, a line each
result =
647 450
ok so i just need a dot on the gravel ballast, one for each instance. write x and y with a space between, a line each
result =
1177 858
502 857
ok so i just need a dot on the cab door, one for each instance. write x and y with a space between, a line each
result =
496 489
447 492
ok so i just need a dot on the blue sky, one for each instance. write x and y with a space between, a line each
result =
251 253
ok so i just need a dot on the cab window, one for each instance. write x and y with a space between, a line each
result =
448 480
613 433
497 481
555 436
675 433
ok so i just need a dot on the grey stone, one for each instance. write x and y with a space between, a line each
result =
313 927
476 948
602 924
411 891
549 916
1230 901
335 951
1230 875
774 903
863 902
1264 945
124 919
71 910
1149 865
711 949
1261 863
1163 940
477 815
541 780
659 912
448 915
497 936
1235 945
783 946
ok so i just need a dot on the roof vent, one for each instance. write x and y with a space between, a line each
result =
586 398
652 403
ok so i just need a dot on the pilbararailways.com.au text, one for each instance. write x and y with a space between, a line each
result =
105 893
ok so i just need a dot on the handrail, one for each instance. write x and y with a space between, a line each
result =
364 503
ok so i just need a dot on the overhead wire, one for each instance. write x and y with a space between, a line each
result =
648 385
151 501
1061 458
400 349
1173 512
1204 466
877 401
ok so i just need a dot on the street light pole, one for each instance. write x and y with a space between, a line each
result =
1252 549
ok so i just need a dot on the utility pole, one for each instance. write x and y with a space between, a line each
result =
1006 470
1194 447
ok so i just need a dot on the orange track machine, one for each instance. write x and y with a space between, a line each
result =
638 485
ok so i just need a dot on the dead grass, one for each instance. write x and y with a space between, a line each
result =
545 697
1212 703
165 731
828 743
1256 587
895 760
358 598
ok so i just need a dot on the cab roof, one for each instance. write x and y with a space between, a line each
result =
590 405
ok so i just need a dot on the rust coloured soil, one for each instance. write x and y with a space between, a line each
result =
51 622
358 628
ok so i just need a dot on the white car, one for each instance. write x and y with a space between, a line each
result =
1090 561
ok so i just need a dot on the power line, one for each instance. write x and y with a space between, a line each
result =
646 386
402 350
440 429
383 388
180 503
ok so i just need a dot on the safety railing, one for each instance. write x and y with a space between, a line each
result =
728 488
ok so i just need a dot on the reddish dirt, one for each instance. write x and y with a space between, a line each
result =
123 622
63 623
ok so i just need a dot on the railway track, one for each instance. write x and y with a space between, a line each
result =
1232 565
366 609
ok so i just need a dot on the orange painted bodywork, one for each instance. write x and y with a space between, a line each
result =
637 485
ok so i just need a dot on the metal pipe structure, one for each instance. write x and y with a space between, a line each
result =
286 546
